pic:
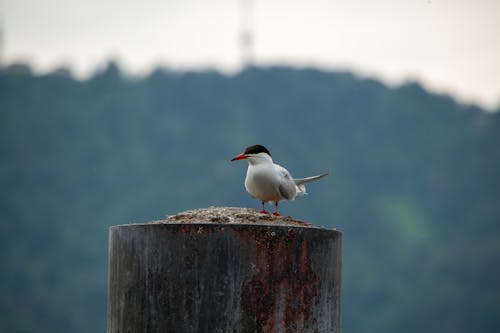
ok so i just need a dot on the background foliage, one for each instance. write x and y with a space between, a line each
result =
414 184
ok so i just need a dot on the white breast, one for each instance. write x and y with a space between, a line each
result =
262 182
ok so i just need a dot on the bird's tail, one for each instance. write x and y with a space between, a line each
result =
300 182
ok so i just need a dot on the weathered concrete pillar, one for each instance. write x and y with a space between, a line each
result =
224 270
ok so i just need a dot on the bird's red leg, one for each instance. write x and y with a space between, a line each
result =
276 212
263 211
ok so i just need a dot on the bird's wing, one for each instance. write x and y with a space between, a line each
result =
282 171
287 187
302 181
288 190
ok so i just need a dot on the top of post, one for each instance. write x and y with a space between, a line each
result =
232 215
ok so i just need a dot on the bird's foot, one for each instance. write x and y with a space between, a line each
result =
263 212
276 214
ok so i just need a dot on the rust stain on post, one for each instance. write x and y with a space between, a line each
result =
281 296
224 270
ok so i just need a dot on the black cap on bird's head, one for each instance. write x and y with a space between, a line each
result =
256 149
252 150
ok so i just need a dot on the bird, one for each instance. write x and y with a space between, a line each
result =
268 181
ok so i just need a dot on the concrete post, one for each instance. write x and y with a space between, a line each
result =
224 270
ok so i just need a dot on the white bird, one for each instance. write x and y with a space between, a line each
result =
268 181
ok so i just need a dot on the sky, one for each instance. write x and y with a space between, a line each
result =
450 46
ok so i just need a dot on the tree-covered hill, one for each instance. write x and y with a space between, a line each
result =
414 184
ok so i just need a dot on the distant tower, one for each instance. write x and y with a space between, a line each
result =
2 45
1 41
246 31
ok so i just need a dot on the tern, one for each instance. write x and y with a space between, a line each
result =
270 182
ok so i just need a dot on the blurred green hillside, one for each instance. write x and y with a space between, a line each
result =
414 184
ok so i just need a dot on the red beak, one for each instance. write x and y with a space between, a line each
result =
239 157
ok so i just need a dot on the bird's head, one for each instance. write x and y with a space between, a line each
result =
254 154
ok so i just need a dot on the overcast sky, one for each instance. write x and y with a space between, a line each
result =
450 46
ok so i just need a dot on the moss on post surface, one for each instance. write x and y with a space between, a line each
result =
224 269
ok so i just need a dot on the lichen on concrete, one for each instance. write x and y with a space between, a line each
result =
232 215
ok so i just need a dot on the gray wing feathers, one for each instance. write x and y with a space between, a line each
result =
287 187
290 188
287 190
302 181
